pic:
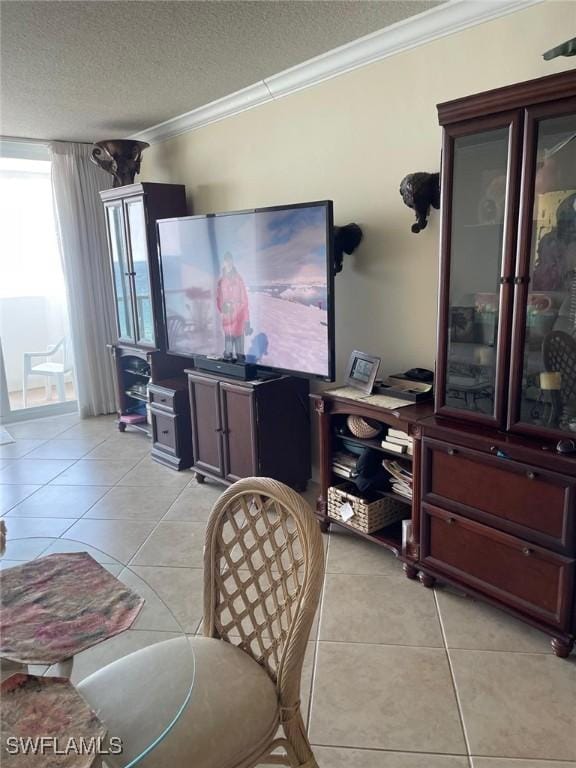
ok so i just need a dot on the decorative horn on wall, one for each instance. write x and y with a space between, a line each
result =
119 157
346 240
565 49
421 191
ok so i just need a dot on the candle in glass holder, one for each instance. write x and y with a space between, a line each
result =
483 355
550 380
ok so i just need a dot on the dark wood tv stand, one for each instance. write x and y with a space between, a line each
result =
250 428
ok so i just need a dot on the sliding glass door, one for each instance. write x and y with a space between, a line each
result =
36 362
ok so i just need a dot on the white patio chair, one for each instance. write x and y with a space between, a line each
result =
50 370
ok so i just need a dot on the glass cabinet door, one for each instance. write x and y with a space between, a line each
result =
479 193
136 217
544 377
121 271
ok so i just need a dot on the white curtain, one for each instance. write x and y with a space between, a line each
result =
76 182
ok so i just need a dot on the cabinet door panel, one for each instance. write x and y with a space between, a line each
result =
121 272
543 386
480 193
518 498
206 424
239 431
521 575
138 242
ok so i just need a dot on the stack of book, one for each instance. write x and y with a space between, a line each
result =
398 441
344 464
400 478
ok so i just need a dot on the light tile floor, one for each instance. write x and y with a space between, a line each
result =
395 676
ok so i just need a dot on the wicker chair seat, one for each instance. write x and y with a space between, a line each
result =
229 688
263 572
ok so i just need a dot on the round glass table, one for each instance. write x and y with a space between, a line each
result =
78 630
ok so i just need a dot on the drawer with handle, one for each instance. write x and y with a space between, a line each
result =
526 577
527 501
161 397
164 430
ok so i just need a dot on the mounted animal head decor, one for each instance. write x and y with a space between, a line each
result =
119 157
564 49
420 191
346 240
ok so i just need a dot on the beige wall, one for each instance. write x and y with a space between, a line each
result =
352 139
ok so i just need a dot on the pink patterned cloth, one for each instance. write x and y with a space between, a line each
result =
56 606
51 708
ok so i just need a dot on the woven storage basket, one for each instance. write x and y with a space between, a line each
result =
366 429
369 516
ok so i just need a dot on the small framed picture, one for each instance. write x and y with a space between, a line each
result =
362 370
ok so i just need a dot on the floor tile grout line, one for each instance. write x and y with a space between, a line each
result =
52 439
73 461
131 559
108 491
96 502
384 751
380 645
42 485
66 529
42 442
173 503
436 647
118 481
317 638
4 514
454 686
495 758
98 484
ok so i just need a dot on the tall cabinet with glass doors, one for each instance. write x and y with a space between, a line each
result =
499 474
131 213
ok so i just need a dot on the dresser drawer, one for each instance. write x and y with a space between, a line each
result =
526 577
535 504
164 398
164 430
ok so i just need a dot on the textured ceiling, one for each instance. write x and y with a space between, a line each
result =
107 68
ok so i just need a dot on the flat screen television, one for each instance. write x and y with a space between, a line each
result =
253 286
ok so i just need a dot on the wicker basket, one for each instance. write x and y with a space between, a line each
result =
365 429
369 516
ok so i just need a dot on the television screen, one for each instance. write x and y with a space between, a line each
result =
253 286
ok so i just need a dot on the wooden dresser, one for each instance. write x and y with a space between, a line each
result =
498 519
498 498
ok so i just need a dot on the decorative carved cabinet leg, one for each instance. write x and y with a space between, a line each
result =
410 570
561 648
121 426
427 580
200 478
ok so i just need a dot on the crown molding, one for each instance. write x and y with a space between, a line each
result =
240 101
441 21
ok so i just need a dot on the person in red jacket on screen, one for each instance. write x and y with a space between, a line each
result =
232 303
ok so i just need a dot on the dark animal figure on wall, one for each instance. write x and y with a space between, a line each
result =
420 191
119 157
346 240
